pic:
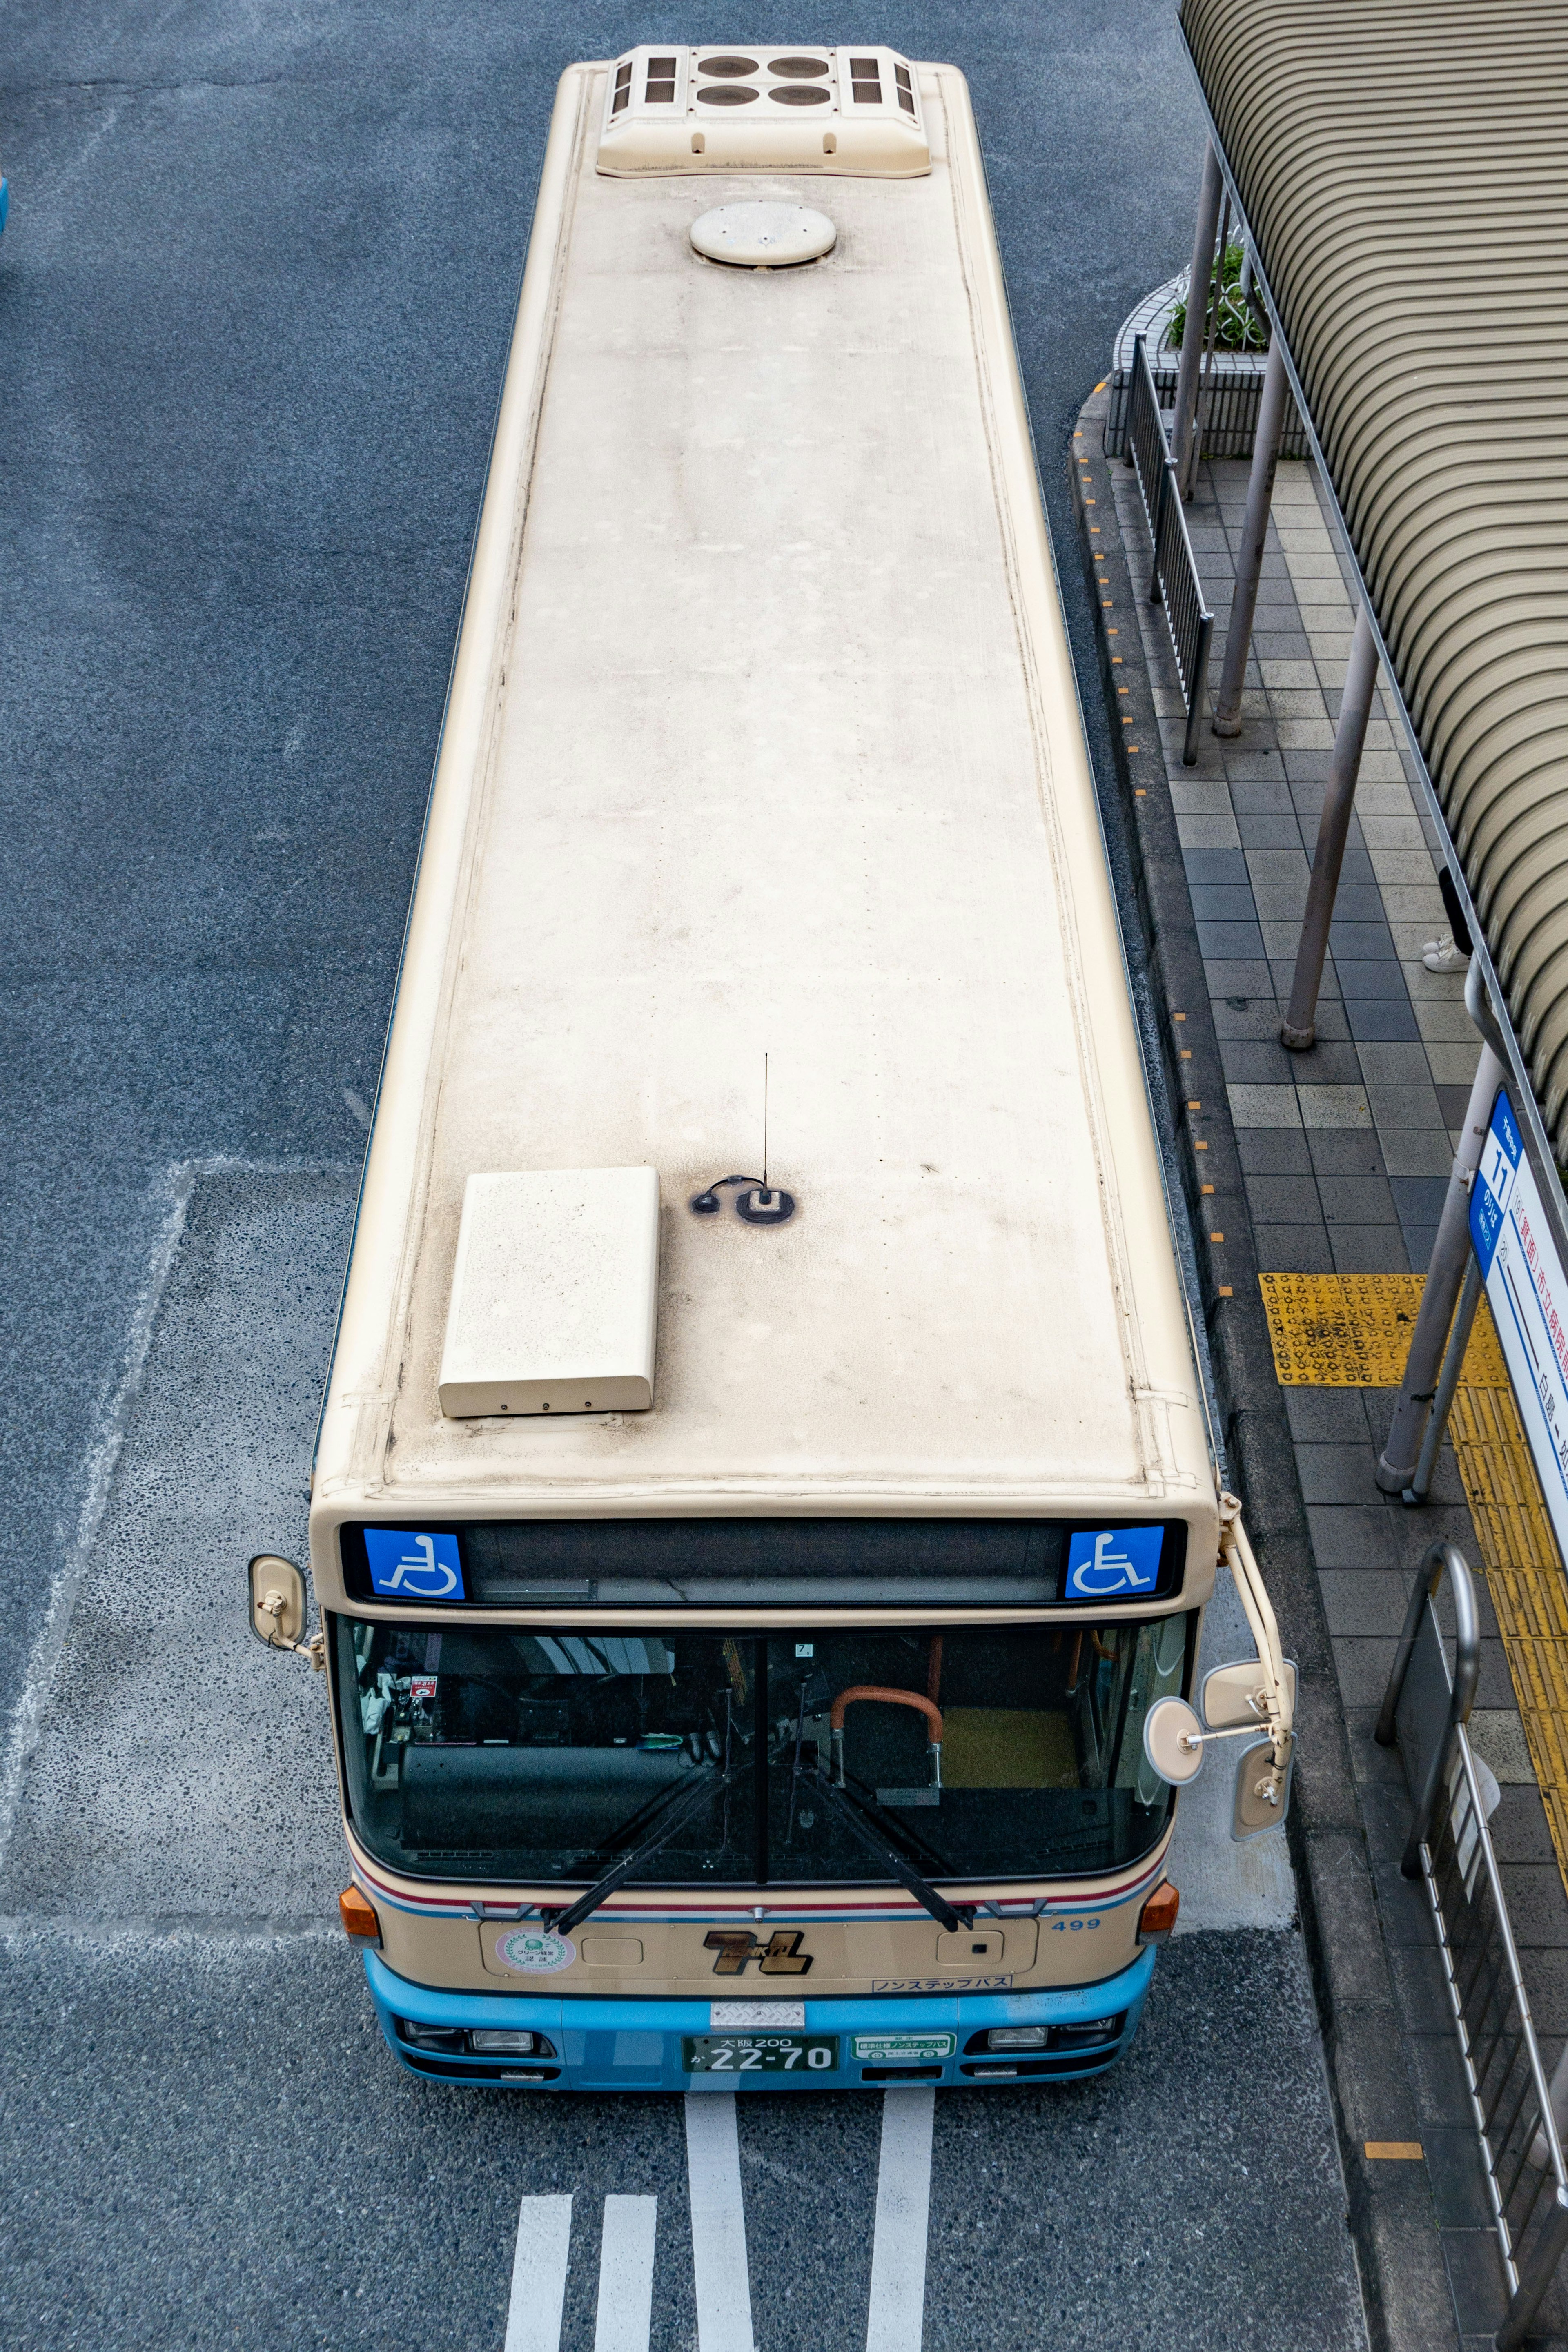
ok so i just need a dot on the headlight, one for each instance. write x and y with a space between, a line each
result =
500 2041
1094 2029
1018 2037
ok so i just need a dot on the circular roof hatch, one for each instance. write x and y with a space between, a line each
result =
763 236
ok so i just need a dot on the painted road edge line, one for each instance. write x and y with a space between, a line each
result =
539 2275
718 2224
896 2320
624 2316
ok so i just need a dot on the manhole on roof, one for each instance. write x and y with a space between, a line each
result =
763 236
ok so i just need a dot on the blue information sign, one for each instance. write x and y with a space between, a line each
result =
1529 1298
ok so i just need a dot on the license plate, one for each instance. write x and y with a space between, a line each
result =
760 2053
904 2049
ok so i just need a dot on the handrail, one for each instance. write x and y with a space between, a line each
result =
1174 579
897 1697
1443 1557
883 1690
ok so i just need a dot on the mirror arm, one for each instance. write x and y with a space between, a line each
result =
273 1605
1279 1721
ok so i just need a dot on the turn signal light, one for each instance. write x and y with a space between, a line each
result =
361 1925
1158 1916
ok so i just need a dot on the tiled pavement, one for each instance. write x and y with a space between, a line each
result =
1344 1152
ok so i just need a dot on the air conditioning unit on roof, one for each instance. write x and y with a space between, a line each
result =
760 108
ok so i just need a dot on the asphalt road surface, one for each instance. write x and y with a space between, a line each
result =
254 302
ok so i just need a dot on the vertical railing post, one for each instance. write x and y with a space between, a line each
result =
1442 1558
1254 532
1188 374
1200 674
1300 1027
1162 496
1445 1272
1420 1485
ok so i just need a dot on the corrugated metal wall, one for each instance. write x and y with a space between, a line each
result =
1404 168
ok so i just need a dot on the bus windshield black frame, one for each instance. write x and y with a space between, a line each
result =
763 1563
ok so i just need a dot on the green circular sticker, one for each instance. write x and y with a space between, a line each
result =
533 1953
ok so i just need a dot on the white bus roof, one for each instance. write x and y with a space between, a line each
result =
763 738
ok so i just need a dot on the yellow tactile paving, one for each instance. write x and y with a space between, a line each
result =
1353 1330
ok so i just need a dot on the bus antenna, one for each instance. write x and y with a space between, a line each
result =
761 1203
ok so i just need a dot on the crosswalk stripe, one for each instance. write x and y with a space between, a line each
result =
896 2321
625 2274
718 2224
539 2275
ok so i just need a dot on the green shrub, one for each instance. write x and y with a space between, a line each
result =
1239 329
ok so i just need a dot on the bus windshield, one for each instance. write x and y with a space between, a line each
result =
982 1752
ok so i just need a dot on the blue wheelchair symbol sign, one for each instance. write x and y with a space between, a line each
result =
1109 1562
405 1567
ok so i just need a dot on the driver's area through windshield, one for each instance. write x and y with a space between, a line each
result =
540 1756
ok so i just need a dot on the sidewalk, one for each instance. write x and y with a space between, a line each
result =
1320 1178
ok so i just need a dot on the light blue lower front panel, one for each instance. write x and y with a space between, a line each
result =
636 2045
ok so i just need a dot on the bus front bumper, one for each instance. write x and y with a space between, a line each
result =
641 2045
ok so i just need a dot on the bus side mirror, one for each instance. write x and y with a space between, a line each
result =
1172 1742
1261 1797
1233 1695
277 1603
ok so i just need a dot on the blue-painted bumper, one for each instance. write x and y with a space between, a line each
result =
635 2045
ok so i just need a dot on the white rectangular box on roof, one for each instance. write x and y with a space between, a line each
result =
555 1294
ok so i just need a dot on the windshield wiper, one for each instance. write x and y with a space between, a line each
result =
861 1823
682 1809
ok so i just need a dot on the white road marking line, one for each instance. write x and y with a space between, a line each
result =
625 2274
897 2317
170 1196
539 2275
718 2224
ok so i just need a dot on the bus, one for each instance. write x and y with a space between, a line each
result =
765 1494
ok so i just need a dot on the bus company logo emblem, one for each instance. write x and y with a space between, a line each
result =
404 1567
1111 1561
781 1956
532 1953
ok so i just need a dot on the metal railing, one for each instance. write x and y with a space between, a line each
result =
1424 1710
1229 421
1173 580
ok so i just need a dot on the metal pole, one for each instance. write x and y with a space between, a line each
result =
1254 532
1212 300
1396 1463
1299 1028
1197 278
1420 1487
